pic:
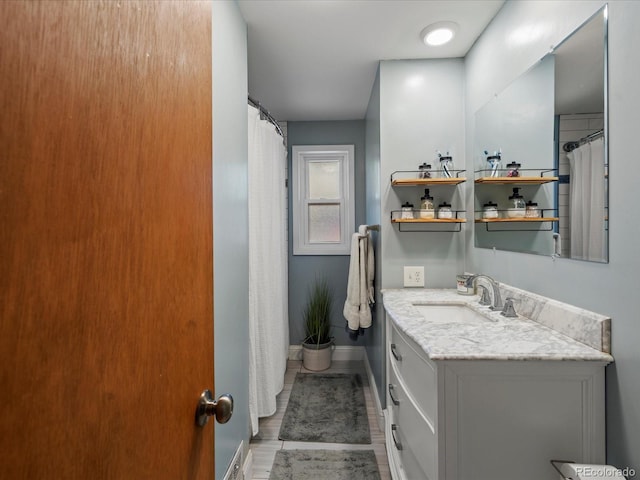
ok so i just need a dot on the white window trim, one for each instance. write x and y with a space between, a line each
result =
302 154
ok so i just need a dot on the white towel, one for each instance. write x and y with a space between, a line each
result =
360 291
370 267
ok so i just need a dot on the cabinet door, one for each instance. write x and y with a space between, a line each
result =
413 438
416 372
508 419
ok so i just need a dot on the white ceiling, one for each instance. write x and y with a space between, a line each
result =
317 59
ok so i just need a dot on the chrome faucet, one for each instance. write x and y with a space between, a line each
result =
497 300
508 310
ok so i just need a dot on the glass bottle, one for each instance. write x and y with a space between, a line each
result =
490 210
444 210
517 206
407 211
424 170
446 166
513 169
426 205
493 164
532 210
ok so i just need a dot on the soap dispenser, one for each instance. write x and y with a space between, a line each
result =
426 205
517 207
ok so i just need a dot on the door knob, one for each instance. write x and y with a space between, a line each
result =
207 407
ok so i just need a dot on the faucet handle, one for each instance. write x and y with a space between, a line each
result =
485 299
508 310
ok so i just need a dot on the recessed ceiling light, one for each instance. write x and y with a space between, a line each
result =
438 33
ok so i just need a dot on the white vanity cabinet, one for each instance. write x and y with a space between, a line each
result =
471 419
411 422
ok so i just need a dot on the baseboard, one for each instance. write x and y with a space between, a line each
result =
233 472
247 467
374 393
341 353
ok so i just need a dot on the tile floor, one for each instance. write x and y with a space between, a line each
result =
265 445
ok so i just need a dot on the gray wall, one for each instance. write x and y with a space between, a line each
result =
611 289
230 226
303 269
421 111
415 108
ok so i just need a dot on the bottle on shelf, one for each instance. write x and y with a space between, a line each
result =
517 206
426 205
493 163
513 169
446 165
532 210
424 170
490 210
444 210
406 211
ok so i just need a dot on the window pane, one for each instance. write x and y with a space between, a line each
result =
324 223
324 179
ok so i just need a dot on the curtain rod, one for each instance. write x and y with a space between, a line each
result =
569 146
264 114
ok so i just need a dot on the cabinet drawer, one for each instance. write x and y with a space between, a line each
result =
411 435
416 372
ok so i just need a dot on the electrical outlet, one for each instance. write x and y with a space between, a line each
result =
414 276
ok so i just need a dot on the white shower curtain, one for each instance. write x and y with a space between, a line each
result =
587 201
268 300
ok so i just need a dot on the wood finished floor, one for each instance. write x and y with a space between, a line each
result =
265 445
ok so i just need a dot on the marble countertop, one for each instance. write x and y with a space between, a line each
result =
499 338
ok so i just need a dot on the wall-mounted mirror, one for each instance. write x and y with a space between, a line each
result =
544 139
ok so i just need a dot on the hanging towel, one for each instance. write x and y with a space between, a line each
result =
370 267
360 291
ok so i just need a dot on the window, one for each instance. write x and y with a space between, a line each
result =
323 199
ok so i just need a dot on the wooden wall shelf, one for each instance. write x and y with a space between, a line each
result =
428 220
517 220
417 182
522 221
515 180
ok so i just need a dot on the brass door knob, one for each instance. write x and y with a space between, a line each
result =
207 407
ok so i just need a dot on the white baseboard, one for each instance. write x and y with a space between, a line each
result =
233 472
374 393
247 467
341 353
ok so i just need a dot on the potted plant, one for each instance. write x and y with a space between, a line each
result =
316 346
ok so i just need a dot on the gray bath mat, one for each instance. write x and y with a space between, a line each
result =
326 408
325 464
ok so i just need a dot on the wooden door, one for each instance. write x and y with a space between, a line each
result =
106 263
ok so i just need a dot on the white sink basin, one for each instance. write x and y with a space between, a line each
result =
447 313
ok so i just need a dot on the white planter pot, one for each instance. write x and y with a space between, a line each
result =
317 357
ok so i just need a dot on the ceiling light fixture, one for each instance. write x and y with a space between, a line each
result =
438 33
